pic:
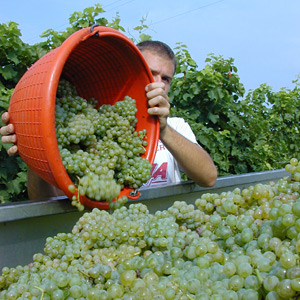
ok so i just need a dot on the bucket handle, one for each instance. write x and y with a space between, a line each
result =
92 28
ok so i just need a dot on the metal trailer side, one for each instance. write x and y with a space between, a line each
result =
25 226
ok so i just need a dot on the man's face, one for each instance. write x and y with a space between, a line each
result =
161 68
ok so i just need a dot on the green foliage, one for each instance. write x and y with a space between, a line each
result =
259 132
79 20
140 29
15 56
13 180
214 91
13 185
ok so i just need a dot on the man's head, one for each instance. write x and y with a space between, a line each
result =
159 48
160 59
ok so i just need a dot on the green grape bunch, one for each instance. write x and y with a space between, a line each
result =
100 148
244 246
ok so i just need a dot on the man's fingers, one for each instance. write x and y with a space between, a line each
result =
159 101
155 85
12 150
5 117
161 112
6 130
6 139
156 92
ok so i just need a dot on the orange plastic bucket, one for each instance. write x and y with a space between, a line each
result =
102 63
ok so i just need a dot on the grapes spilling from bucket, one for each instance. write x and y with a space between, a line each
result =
100 148
239 244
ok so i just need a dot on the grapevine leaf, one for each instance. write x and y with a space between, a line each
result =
13 57
212 117
17 185
4 196
3 174
8 72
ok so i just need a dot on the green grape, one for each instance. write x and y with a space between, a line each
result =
115 291
144 293
236 282
128 277
229 268
284 209
284 289
293 273
252 282
250 294
169 293
264 264
244 269
273 296
57 295
295 284
270 282
247 235
288 260
232 295
296 208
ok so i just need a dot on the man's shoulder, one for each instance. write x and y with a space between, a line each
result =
175 120
181 126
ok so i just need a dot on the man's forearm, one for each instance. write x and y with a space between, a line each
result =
194 160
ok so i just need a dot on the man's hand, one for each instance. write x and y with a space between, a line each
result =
158 101
8 134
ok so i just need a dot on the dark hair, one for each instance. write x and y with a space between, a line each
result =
160 48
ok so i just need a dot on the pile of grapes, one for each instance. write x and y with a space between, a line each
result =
240 245
100 148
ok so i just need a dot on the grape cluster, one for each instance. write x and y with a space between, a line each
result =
241 245
100 148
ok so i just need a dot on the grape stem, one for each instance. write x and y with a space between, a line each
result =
85 274
182 292
259 277
43 292
78 194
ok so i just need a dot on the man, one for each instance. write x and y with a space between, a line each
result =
177 148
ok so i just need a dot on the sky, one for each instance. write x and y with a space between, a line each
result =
262 36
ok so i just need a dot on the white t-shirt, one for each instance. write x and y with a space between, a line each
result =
165 169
